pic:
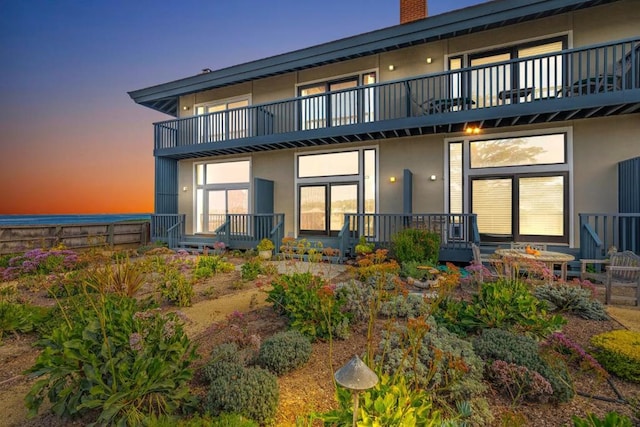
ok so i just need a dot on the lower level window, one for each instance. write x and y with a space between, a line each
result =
517 186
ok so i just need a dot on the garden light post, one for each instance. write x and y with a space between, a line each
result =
356 376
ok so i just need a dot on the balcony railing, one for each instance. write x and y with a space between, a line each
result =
572 73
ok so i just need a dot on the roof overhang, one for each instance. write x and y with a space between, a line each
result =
492 14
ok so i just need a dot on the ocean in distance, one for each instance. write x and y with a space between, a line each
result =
8 220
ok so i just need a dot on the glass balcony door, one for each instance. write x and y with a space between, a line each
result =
322 207
222 121
223 202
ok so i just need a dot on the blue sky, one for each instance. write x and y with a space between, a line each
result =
71 139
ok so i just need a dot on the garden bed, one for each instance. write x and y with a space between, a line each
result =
310 388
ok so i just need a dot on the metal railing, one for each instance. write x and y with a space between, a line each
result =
456 231
593 70
168 228
600 231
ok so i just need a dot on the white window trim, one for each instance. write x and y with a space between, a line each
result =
246 97
465 53
359 74
337 178
195 185
467 171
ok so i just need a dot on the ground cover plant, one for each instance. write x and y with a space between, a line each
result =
429 369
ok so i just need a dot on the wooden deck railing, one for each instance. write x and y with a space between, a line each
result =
573 73
244 231
600 231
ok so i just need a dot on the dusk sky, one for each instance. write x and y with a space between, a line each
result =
71 139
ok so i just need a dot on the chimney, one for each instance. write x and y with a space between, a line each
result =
412 10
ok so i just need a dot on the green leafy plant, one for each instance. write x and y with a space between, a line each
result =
410 269
363 247
498 344
390 403
570 298
504 304
210 265
110 357
612 419
251 269
619 352
20 318
176 288
413 244
311 304
284 352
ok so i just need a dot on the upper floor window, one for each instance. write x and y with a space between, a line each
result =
509 82
344 106
223 120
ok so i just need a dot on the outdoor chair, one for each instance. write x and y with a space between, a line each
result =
622 270
491 261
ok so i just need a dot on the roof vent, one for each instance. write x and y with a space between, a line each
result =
412 10
206 70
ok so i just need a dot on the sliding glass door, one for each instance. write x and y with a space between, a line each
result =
322 207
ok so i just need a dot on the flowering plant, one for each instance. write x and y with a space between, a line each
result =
265 245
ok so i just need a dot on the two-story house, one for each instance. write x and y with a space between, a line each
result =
506 121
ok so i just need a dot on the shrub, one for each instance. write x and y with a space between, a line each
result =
175 288
224 420
519 382
311 304
284 352
619 352
251 269
410 269
124 278
410 305
111 357
570 298
498 344
251 392
416 245
40 261
375 266
210 265
433 359
612 419
505 304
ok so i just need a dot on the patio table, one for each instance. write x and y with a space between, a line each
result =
550 258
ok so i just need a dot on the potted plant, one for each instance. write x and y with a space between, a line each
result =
265 248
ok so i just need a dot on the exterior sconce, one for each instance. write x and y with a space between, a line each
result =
184 189
472 130
392 179
429 60
392 67
356 376
185 108
433 177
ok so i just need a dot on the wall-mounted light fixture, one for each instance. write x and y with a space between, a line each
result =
429 60
392 67
433 177
392 179
184 189
472 130
185 108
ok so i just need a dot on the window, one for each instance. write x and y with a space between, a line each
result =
221 189
222 120
331 185
518 186
345 105
490 85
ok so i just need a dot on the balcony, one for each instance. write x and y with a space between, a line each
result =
594 81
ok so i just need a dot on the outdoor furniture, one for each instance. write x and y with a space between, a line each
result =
622 270
549 258
514 95
592 85
444 105
481 259
523 246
